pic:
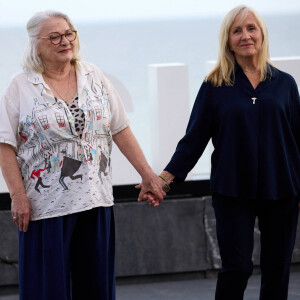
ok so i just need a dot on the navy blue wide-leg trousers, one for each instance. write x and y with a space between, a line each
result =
69 258
235 220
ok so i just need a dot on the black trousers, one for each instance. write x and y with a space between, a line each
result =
235 220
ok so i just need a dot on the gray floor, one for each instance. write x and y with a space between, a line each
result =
188 290
195 289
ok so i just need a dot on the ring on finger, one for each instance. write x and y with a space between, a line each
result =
15 218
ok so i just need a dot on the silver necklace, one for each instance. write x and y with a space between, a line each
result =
64 99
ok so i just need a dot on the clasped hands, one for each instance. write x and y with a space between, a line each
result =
152 190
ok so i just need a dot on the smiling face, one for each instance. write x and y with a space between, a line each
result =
245 37
55 55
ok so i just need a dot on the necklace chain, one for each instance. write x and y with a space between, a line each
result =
64 99
246 71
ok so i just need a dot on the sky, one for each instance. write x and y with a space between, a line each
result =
17 12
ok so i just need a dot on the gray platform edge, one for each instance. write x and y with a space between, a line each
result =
175 238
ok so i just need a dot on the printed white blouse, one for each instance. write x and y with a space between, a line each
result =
62 173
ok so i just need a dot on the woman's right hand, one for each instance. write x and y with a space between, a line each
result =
20 205
20 211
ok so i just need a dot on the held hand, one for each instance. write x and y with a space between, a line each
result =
151 190
20 211
148 197
151 199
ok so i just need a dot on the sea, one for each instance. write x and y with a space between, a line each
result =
125 49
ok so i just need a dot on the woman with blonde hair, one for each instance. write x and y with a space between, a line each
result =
251 111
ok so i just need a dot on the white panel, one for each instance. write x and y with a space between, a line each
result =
3 187
122 171
122 91
290 65
169 107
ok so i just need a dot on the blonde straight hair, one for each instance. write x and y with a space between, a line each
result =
31 60
223 72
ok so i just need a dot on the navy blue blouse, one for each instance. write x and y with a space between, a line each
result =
255 133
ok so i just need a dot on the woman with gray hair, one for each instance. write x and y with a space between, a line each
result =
58 119
251 110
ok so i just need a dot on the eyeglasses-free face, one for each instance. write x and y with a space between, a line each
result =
56 38
245 38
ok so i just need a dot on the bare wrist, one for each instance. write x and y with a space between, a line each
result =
16 194
147 173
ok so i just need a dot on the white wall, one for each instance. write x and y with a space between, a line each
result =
169 109
3 187
290 65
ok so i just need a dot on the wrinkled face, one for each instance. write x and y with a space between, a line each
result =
55 55
245 38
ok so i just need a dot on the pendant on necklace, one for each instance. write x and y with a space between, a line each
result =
253 99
